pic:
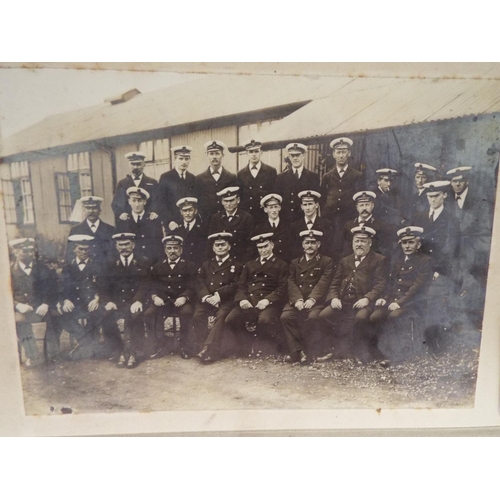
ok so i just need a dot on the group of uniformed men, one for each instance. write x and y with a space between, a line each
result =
322 269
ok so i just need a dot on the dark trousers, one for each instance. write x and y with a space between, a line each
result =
124 330
82 326
27 339
351 332
154 318
263 321
301 330
215 337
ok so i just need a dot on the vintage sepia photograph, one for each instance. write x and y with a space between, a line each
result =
213 241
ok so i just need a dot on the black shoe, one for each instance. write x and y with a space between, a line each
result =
185 354
293 358
132 362
121 361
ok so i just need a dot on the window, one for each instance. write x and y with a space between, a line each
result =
16 189
73 184
157 157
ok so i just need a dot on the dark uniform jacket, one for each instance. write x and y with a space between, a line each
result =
102 246
148 232
384 242
387 207
282 239
206 189
79 286
408 280
337 193
288 187
171 189
414 204
40 287
254 189
440 239
170 284
367 280
320 224
309 279
222 279
125 285
263 281
241 226
120 200
195 241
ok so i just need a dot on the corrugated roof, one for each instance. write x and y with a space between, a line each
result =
206 98
375 103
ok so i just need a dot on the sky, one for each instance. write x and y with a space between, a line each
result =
27 96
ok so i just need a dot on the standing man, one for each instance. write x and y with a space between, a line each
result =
192 229
442 237
411 274
417 202
34 291
309 204
123 289
309 278
93 225
215 286
294 180
387 208
141 222
337 189
235 221
171 288
273 223
175 184
214 179
136 178
256 181
79 297
383 241
359 280
261 293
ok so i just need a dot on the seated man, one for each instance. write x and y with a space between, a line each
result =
192 229
358 281
216 285
171 287
79 298
261 292
410 276
309 278
273 223
235 221
122 292
147 228
33 291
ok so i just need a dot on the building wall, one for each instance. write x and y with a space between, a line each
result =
102 182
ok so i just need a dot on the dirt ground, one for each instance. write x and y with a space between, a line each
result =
171 383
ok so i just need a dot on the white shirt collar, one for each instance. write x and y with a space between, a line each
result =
233 214
127 260
436 212
24 266
214 172
136 216
251 167
96 223
344 169
298 170
312 219
173 262
271 222
364 221
78 261
267 258
222 260
181 173
462 197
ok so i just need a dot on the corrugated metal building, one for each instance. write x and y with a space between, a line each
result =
394 122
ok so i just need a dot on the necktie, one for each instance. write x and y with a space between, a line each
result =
219 262
254 168
309 223
341 172
27 270
172 264
139 217
182 176
93 228
216 176
187 226
431 216
125 262
229 218
81 266
274 225
357 261
296 172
